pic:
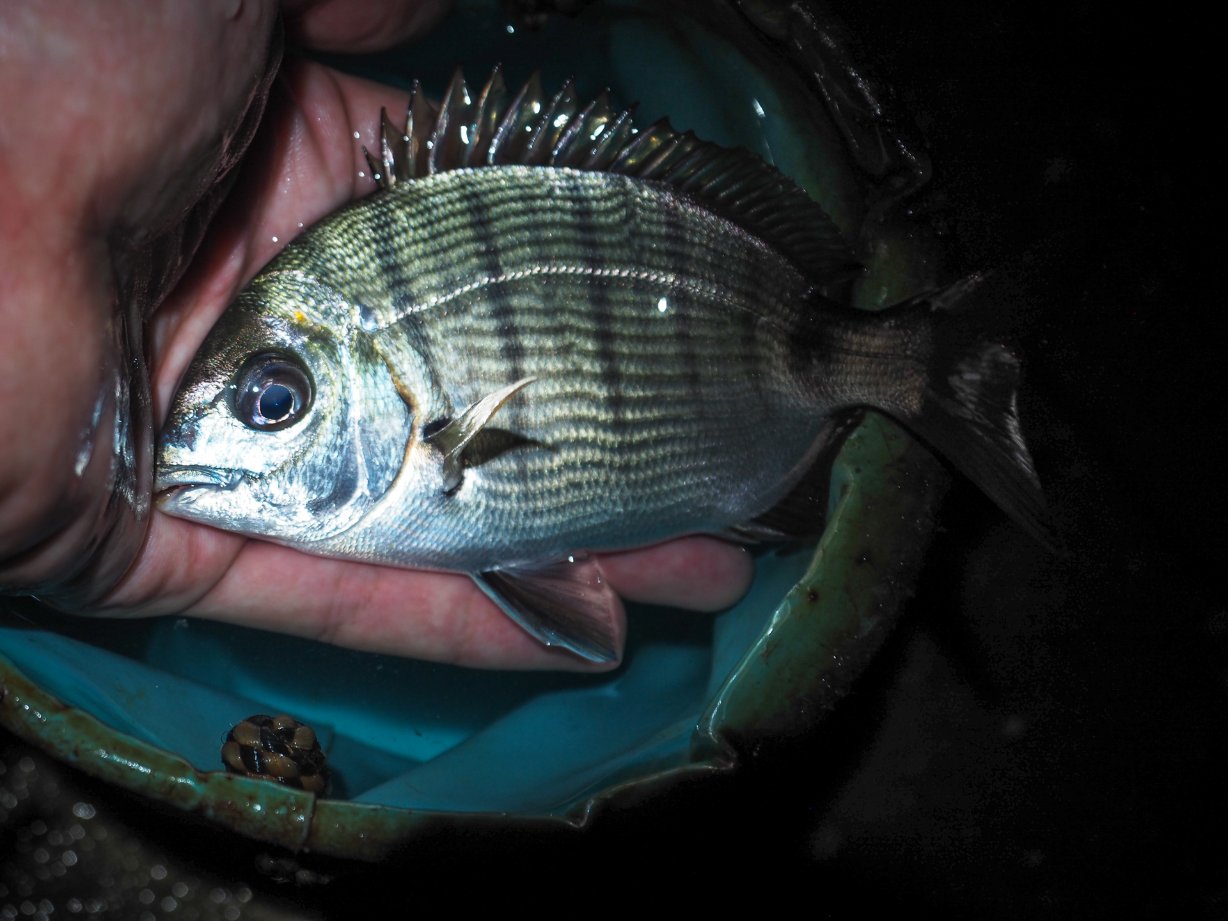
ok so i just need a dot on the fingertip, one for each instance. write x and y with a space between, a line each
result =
695 573
436 616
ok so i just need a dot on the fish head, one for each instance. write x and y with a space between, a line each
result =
288 425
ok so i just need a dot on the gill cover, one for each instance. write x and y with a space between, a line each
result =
288 424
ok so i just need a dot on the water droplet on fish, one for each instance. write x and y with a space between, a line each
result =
274 239
357 135
662 305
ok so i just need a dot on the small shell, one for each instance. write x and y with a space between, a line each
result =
276 748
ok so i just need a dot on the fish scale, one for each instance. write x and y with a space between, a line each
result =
540 339
568 407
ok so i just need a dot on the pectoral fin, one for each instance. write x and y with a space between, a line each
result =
567 604
458 433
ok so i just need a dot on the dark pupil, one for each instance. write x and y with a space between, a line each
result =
272 391
276 402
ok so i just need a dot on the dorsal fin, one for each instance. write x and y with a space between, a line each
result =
494 128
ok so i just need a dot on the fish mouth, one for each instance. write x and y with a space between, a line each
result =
172 480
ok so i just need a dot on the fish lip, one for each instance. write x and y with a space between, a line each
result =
176 478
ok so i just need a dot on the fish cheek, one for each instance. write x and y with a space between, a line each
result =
331 480
270 499
361 432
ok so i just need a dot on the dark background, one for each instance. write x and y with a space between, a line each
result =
1040 738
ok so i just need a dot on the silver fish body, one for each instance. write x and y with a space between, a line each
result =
667 392
494 369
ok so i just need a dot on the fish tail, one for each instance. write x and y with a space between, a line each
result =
955 383
970 410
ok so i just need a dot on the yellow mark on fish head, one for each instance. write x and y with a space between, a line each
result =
300 317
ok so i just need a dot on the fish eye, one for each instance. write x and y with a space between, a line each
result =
271 392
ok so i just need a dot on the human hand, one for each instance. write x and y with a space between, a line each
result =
107 193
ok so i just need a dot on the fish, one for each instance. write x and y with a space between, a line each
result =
550 333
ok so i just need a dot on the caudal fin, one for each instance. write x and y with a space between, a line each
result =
969 410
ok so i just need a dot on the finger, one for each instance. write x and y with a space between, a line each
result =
697 573
359 25
443 617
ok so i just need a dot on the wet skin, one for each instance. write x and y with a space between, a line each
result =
143 112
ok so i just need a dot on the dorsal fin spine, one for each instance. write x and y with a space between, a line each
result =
608 143
574 131
418 113
490 130
549 130
485 118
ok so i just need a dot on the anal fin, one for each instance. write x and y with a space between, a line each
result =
801 514
567 604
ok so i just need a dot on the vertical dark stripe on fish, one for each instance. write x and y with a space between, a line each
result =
511 345
801 344
599 298
390 255
748 346
690 357
490 265
680 245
